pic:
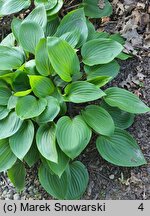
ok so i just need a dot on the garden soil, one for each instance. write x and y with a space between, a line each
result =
131 18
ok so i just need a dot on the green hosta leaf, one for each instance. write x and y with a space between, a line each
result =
46 142
54 185
32 156
55 9
7 158
78 178
10 58
74 21
52 26
3 112
21 141
100 80
97 8
111 69
10 125
124 56
15 26
125 100
59 167
120 149
10 6
5 94
51 110
100 51
49 4
41 86
82 91
41 58
12 102
20 81
17 175
9 40
71 37
23 93
30 68
63 107
121 118
30 107
32 30
73 135
63 58
99 120
117 37
38 15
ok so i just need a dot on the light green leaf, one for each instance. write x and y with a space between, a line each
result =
30 107
30 68
10 125
17 175
21 141
5 94
32 30
15 26
32 156
51 111
82 91
120 149
43 64
10 58
121 118
49 4
100 80
55 9
73 135
41 86
78 178
38 15
9 40
99 120
59 167
110 69
74 21
124 100
54 185
23 93
100 51
10 6
46 142
97 9
3 112
123 56
63 58
7 158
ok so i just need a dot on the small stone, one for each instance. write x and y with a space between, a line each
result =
111 176
16 197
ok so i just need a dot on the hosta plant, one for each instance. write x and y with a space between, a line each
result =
47 69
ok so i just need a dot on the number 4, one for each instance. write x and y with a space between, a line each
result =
141 207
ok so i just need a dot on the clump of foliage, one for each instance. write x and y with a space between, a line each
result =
46 67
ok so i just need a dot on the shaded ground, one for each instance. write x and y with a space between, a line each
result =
108 181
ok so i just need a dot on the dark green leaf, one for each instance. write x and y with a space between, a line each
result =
32 156
5 94
125 100
82 91
100 51
99 120
21 141
73 135
17 175
120 149
7 158
30 107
